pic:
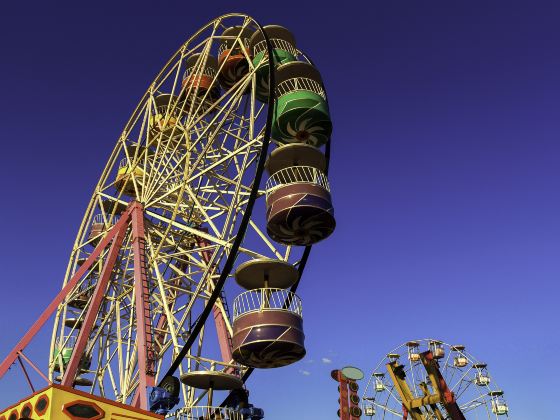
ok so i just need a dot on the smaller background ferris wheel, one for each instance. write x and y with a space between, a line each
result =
429 379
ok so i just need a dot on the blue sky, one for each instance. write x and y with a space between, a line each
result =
444 173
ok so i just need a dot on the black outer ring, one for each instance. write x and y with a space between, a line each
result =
307 250
244 222
243 227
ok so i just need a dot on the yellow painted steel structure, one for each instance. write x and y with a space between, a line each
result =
57 402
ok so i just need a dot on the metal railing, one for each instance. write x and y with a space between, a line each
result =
266 299
296 175
206 413
207 71
210 365
234 46
299 84
125 162
280 44
139 163
99 219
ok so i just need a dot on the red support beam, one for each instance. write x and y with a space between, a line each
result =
22 344
224 338
26 375
93 308
448 401
144 337
41 374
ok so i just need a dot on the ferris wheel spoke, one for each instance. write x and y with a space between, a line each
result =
268 243
112 380
451 374
236 182
389 390
139 113
172 67
236 95
446 364
411 369
202 209
388 410
198 71
193 231
471 405
176 70
223 159
460 392
250 144
235 133
167 166
460 380
213 126
164 169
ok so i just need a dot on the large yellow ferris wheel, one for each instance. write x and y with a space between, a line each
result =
182 208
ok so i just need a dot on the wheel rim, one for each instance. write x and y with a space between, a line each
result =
473 400
196 169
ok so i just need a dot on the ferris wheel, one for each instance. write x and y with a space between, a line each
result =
429 379
181 210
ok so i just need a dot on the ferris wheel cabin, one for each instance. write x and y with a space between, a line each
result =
283 51
499 405
99 226
166 116
459 360
127 175
298 199
267 318
413 354
198 80
233 53
482 377
379 381
301 113
369 410
437 349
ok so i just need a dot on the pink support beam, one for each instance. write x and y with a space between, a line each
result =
35 368
224 338
26 375
93 308
22 344
144 338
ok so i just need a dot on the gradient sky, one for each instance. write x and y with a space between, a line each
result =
444 173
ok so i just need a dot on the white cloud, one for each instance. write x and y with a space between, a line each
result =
304 372
326 360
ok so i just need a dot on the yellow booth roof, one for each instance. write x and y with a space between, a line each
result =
57 402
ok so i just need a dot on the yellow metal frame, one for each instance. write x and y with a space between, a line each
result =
60 397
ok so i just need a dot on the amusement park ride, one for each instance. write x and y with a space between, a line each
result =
179 210
431 380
